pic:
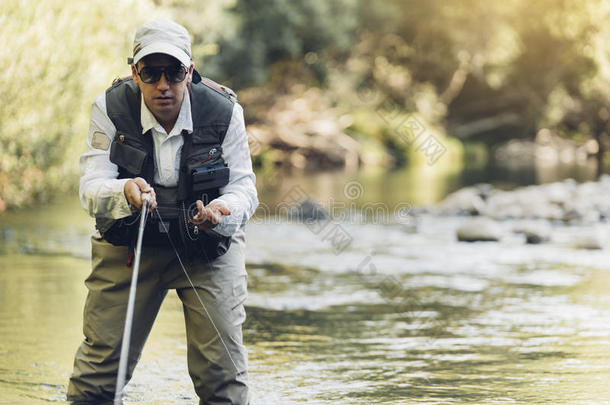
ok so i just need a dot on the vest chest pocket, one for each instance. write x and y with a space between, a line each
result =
207 156
128 157
205 150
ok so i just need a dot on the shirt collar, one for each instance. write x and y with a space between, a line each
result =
183 122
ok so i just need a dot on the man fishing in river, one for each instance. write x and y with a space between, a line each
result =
177 141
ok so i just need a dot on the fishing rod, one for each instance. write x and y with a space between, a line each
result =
120 385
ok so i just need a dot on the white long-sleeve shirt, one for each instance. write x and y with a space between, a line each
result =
101 193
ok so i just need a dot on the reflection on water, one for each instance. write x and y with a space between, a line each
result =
520 174
397 317
417 186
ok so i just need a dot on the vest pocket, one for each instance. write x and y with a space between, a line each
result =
127 157
203 157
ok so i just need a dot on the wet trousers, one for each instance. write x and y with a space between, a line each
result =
222 286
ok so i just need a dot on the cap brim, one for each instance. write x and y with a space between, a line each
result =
166 48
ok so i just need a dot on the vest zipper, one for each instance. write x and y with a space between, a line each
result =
210 154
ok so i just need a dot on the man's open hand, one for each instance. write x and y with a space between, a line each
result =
134 188
209 216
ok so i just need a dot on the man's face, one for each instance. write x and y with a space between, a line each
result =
163 98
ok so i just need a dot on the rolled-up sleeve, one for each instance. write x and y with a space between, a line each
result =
101 193
239 195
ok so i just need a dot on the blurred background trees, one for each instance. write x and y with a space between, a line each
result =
325 83
56 57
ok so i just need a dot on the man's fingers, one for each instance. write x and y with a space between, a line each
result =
152 201
148 197
214 217
200 216
200 210
220 207
210 215
142 184
224 210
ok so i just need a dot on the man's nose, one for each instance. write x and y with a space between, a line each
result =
163 83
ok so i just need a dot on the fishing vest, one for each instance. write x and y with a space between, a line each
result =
133 153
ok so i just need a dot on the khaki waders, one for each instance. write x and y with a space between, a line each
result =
221 285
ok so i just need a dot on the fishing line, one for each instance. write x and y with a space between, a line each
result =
135 219
195 289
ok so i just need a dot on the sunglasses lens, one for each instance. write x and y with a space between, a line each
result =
150 75
174 74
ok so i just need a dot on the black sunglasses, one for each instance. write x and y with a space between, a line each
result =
152 74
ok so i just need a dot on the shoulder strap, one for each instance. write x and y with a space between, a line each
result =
211 108
223 90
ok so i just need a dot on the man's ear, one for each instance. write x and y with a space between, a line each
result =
190 74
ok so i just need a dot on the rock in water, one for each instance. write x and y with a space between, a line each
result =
467 201
535 231
479 229
591 239
309 210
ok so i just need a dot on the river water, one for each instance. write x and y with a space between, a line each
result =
394 311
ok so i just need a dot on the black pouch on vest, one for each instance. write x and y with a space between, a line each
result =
208 174
208 178
132 159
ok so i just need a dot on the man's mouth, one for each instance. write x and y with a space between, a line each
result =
164 100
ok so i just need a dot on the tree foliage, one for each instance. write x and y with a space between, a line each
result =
270 32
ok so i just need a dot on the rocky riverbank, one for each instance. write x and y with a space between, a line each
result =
534 211
576 215
566 202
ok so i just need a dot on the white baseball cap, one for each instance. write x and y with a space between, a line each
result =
162 36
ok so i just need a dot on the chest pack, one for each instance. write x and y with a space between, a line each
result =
202 173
